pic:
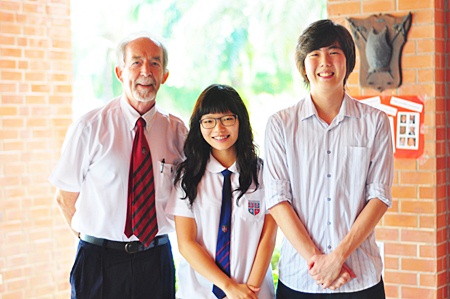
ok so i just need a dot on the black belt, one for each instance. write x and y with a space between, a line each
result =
128 247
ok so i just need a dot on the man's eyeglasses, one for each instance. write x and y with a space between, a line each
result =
226 121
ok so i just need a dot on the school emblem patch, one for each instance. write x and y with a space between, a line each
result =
254 207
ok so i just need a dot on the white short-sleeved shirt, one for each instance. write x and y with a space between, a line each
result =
328 173
246 227
95 162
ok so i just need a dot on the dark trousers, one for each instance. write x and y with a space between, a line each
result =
375 292
102 273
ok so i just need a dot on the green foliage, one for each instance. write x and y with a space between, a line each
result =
183 98
116 85
173 15
274 263
268 83
275 258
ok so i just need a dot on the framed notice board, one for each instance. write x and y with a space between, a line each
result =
406 116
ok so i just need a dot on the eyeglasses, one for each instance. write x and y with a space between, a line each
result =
226 121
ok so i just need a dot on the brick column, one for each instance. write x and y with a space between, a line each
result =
415 230
446 99
36 249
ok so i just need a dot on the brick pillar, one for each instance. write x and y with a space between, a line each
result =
415 230
36 249
447 130
446 99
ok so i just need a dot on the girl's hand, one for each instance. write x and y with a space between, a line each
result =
239 291
254 289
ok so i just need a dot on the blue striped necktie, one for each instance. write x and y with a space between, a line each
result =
141 212
223 237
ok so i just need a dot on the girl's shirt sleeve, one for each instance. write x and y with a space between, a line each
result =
177 205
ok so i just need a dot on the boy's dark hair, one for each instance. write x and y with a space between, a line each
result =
324 33
217 98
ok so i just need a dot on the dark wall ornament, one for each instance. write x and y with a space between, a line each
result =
380 39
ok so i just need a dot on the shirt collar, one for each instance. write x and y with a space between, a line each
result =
131 115
215 167
309 109
348 108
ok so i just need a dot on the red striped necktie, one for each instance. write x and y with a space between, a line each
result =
223 238
141 212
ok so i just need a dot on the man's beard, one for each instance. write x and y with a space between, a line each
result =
144 97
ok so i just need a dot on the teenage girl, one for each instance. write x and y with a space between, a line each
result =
220 138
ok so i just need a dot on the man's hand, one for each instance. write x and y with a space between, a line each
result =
345 276
329 271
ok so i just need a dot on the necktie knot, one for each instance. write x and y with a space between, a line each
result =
226 173
141 122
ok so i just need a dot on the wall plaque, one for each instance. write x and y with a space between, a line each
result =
380 39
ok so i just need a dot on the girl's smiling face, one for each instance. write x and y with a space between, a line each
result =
221 138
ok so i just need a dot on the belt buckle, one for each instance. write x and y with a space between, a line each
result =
131 247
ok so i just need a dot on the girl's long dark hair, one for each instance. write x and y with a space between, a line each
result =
217 98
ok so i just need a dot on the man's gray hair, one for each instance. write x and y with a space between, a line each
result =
120 50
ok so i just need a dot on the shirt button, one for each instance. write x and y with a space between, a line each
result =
329 199
329 222
328 175
329 246
328 152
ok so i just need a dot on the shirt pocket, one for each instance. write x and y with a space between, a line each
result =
164 175
251 207
356 167
249 222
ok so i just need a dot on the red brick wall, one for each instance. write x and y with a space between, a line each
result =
36 250
447 129
415 230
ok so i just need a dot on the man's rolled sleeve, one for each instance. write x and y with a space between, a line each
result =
276 192
380 191
381 172
276 176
